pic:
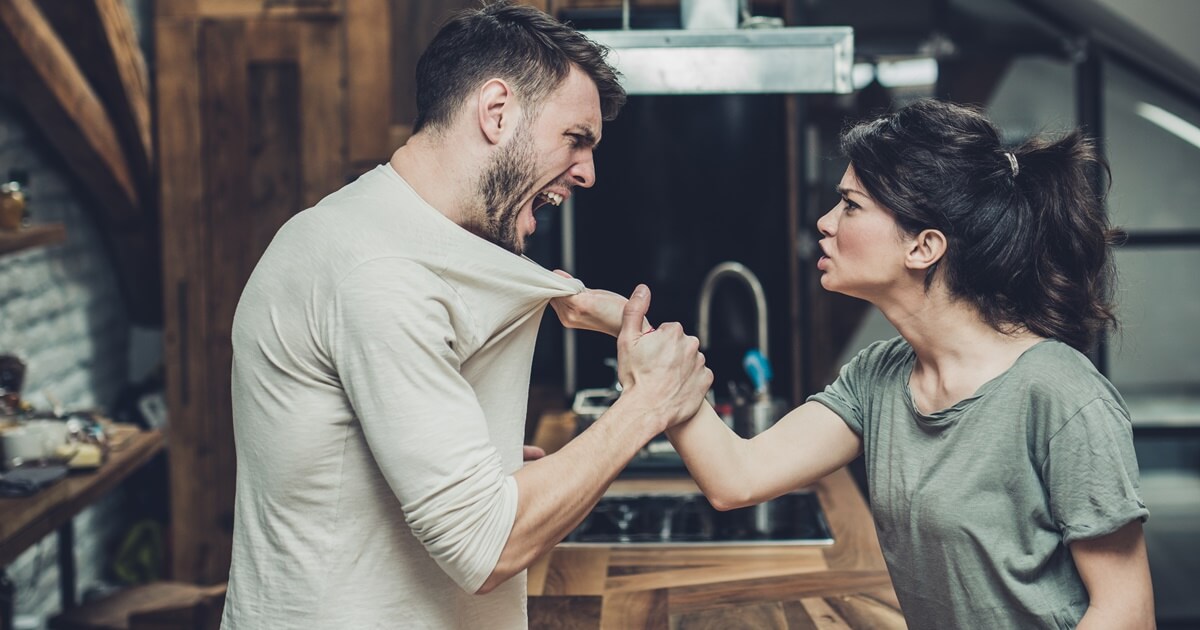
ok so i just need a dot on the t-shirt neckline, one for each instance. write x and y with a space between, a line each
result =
949 414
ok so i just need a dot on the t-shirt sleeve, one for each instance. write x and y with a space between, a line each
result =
844 396
1091 473
393 341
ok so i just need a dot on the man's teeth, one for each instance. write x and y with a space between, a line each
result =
552 197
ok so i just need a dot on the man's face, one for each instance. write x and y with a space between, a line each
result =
548 154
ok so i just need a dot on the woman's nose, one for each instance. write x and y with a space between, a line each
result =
825 225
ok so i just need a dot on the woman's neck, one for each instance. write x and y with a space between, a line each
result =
957 351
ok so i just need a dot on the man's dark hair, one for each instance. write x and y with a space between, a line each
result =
526 47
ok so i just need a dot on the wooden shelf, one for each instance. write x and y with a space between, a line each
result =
32 236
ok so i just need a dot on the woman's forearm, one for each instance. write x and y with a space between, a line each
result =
714 455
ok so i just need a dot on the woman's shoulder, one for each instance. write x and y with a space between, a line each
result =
1058 376
882 357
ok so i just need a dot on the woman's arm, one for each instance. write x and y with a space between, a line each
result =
805 445
591 309
1116 573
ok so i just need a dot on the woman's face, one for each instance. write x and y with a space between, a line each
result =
864 249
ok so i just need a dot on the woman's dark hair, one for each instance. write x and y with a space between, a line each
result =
1028 239
520 44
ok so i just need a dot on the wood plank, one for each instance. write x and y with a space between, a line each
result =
565 612
823 615
52 88
634 609
414 24
322 109
28 519
696 576
780 588
32 236
576 571
369 80
797 616
204 540
247 8
184 273
864 611
856 544
100 36
768 616
272 40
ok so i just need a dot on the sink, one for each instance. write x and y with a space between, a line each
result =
672 520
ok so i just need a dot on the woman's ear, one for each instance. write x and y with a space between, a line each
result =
495 109
925 249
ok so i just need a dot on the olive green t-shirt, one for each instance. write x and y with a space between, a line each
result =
975 504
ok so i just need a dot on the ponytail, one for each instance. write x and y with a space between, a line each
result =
1059 186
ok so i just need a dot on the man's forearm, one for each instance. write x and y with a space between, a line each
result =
557 491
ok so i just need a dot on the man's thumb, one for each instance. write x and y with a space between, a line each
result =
635 311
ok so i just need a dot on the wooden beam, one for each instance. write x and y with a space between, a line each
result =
32 236
41 74
246 8
369 66
52 88
101 37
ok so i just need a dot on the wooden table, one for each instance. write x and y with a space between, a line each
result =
24 521
845 585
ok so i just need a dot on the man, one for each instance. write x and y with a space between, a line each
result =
382 350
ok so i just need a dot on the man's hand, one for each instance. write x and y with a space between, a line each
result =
530 453
662 367
593 309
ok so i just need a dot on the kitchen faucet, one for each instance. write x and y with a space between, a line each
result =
741 272
757 416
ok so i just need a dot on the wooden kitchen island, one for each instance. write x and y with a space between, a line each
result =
844 585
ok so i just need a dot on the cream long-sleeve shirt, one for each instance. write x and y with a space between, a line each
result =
381 359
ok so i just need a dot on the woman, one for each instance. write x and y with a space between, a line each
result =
1000 463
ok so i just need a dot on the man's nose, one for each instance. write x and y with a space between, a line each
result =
583 172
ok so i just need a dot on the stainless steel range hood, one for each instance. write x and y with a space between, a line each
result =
706 60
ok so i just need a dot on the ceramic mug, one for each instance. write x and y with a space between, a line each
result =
33 441
21 444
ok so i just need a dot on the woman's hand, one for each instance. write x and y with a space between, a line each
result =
593 309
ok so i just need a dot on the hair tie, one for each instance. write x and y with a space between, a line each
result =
1012 163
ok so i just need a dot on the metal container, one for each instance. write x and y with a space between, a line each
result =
757 416
710 13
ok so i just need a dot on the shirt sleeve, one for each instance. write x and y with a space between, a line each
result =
844 396
394 342
1091 473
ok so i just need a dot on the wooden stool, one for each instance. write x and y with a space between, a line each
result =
154 606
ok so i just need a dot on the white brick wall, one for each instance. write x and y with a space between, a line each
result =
61 310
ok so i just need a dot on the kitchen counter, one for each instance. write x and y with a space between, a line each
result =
844 585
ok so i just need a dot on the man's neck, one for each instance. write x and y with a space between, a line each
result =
437 174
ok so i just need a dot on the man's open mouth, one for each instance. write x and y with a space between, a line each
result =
547 197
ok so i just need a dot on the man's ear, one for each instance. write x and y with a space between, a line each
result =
925 249
496 109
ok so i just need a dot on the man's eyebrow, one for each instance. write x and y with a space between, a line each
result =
585 134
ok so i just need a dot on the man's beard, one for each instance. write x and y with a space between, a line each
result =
504 184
